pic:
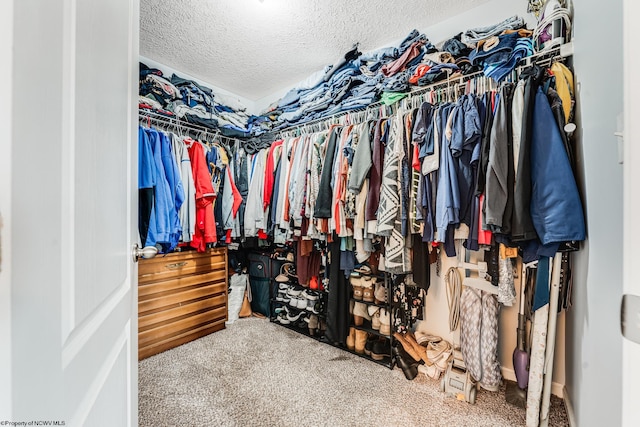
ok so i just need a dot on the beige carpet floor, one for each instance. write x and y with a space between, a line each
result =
256 373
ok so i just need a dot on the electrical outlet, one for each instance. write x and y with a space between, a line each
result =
630 317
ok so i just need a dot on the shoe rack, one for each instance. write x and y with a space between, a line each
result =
296 307
370 333
303 310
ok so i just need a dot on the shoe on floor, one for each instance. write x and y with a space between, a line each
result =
369 344
294 315
404 361
351 339
381 349
283 318
424 338
361 340
312 323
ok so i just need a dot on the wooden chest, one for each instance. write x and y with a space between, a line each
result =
182 296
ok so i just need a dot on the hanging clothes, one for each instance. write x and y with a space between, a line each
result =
187 211
556 208
323 201
255 218
397 253
205 228
375 179
164 222
500 183
146 184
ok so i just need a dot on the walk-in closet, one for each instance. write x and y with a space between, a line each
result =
278 213
389 173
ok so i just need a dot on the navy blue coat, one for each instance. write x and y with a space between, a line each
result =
556 208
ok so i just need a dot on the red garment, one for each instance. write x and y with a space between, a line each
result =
205 223
484 236
237 197
399 64
420 71
269 174
416 158
340 188
307 263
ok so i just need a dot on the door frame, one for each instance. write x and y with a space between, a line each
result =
6 73
631 206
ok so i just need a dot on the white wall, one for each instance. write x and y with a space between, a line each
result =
594 374
6 47
167 71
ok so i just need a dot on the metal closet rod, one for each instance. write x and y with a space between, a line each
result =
548 56
181 124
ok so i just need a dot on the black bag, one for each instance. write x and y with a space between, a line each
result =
262 272
259 295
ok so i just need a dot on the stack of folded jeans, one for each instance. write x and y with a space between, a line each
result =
499 55
357 80
372 61
366 93
522 49
477 34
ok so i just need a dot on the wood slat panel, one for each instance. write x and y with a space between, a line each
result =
170 301
179 267
177 313
151 290
173 329
169 343
181 297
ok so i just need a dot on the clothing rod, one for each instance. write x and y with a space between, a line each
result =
175 121
414 92
556 52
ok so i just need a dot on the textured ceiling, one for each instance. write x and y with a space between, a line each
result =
255 48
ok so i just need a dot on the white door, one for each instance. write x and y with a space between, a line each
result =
74 207
631 275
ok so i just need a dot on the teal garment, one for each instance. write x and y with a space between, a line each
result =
389 98
347 243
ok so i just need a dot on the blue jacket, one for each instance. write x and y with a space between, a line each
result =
556 208
176 191
146 165
164 224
